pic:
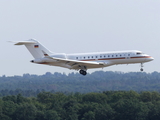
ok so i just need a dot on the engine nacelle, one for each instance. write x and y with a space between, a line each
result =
59 55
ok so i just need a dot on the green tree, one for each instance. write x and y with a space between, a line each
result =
20 98
45 97
51 115
104 111
85 107
130 110
154 110
10 98
90 115
25 111
146 96
4 117
9 108
71 109
95 97
40 115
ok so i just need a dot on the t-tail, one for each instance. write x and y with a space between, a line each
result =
35 48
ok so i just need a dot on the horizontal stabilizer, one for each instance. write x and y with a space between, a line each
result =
24 42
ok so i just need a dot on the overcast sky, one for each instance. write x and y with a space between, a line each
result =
77 26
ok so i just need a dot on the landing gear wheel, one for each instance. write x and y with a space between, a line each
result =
82 72
141 69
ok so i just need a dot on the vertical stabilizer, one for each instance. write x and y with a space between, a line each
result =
35 48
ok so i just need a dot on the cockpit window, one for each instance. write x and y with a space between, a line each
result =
138 53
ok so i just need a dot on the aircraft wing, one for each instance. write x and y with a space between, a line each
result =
75 64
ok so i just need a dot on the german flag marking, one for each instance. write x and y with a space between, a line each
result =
36 46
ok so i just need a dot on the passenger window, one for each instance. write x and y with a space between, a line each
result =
76 57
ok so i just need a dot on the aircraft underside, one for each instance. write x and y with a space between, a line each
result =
83 69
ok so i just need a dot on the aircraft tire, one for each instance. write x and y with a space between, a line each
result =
82 72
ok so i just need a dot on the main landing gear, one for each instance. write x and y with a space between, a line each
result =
83 72
141 67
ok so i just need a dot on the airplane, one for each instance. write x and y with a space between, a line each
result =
83 61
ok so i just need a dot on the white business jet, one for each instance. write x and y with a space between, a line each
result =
83 61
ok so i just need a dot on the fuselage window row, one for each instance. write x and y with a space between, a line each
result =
105 56
99 57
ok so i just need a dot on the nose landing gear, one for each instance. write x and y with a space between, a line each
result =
83 72
141 67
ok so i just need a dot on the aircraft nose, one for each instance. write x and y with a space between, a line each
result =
149 58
